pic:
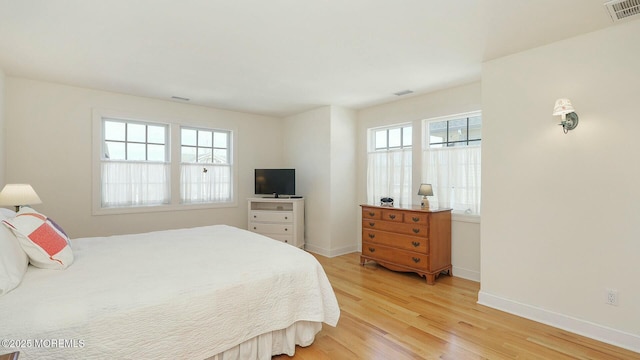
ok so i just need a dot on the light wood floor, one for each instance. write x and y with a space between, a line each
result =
390 315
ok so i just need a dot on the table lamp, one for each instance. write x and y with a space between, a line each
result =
18 195
425 190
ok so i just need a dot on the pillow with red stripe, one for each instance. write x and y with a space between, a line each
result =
45 243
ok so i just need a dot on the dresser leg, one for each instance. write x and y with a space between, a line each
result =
431 279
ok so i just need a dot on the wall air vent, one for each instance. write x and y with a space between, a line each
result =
622 9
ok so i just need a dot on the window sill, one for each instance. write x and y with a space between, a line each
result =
160 208
462 217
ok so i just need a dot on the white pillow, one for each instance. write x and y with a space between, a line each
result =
13 260
6 213
45 243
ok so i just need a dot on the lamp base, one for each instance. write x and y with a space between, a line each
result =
424 203
569 122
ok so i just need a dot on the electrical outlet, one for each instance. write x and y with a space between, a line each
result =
612 297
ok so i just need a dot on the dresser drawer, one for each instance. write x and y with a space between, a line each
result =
284 238
396 256
405 242
416 218
371 213
401 228
282 229
271 216
393 215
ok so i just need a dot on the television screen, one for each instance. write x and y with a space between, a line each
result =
275 182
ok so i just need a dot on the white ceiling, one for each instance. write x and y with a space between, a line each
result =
277 57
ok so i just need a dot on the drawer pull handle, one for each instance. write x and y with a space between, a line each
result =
372 224
254 228
371 213
415 219
371 236
416 260
415 231
254 216
372 249
415 243
285 229
286 218
391 216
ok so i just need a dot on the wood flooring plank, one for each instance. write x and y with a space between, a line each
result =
394 315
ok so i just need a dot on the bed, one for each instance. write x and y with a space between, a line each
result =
213 292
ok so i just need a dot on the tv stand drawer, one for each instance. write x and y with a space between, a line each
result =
271 216
281 219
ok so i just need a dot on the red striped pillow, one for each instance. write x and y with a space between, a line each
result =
42 239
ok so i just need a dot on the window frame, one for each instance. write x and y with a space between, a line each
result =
167 143
426 146
213 131
404 197
229 161
174 159
372 146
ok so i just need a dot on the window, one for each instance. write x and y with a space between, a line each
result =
134 163
389 164
145 166
206 165
456 132
392 138
452 161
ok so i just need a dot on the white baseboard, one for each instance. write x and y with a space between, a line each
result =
466 274
561 321
330 252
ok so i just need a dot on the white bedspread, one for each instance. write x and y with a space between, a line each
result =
179 294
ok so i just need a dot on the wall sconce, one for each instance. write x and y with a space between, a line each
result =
568 114
425 190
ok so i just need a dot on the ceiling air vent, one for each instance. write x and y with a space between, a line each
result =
407 92
622 9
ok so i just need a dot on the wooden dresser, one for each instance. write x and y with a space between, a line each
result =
408 239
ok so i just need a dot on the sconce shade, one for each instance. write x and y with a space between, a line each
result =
18 195
425 190
567 113
563 107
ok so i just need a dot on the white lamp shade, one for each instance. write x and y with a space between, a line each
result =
19 194
425 190
563 107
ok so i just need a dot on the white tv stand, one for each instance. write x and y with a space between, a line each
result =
279 218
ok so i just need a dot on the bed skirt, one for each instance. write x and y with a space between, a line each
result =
284 341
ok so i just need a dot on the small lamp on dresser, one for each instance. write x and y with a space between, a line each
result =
18 195
425 190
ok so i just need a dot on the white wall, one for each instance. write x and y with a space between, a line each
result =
344 208
306 149
560 214
320 145
3 151
465 242
49 139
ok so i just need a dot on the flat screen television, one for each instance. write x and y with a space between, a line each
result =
275 182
